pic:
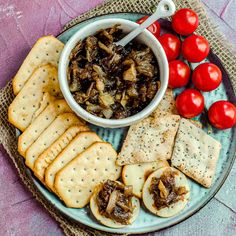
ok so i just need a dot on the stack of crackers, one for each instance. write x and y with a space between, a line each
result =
57 146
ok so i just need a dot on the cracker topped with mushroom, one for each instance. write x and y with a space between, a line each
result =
112 81
114 205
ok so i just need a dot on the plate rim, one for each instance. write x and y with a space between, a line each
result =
191 213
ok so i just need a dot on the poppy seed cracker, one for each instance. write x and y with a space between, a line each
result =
195 153
150 140
167 104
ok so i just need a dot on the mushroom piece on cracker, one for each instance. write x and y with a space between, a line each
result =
114 205
166 192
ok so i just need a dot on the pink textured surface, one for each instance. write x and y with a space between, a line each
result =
21 23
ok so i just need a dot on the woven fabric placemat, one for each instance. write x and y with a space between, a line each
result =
8 134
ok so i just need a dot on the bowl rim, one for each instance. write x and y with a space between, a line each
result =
104 122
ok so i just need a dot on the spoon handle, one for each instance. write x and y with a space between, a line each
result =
164 9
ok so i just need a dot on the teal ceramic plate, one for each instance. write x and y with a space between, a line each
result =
146 222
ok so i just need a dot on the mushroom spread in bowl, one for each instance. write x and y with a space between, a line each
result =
112 81
109 85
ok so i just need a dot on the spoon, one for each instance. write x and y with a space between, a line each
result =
164 9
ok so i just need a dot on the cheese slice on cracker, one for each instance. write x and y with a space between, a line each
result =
45 159
75 183
195 153
82 141
49 136
46 117
137 174
46 50
27 102
150 140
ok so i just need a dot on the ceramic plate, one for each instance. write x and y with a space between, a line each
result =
146 222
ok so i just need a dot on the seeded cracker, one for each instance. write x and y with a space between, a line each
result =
75 183
27 102
195 153
41 123
82 141
167 104
46 158
46 50
150 140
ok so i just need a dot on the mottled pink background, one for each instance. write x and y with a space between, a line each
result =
21 23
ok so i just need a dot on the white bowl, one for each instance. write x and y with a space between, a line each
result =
146 38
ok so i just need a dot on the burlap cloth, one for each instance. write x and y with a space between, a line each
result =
7 131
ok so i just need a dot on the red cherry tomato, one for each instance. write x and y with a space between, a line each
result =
222 114
154 28
185 21
207 77
195 48
171 45
190 103
179 74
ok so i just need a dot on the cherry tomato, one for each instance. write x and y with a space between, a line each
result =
185 21
171 45
190 103
195 48
207 77
222 114
154 28
179 74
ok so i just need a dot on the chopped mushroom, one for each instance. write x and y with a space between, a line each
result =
99 77
105 48
106 100
76 50
91 48
74 86
130 74
164 190
114 202
143 60
99 71
124 99
111 81
132 91
107 113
